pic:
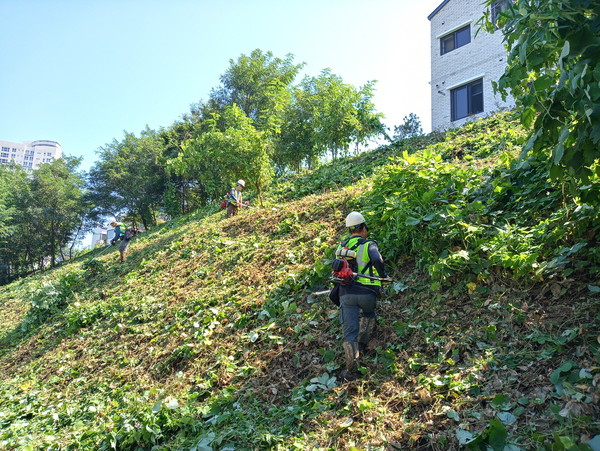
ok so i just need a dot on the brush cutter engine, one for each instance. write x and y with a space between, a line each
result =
342 270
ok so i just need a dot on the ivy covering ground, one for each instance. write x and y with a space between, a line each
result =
208 336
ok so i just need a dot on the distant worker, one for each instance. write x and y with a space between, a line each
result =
234 199
125 235
360 292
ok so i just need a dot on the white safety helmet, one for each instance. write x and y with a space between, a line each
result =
354 218
241 182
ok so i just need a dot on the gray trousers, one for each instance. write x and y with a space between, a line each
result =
350 308
124 245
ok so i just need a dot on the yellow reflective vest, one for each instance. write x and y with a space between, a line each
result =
363 262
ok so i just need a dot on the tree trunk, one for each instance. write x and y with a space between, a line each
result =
52 244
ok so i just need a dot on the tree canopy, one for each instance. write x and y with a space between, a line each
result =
553 73
128 178
41 214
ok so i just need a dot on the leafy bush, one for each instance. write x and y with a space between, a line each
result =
455 219
49 296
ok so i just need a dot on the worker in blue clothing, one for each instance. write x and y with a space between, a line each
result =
125 234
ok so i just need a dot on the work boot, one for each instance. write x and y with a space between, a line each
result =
366 331
350 371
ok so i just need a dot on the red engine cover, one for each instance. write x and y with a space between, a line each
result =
345 272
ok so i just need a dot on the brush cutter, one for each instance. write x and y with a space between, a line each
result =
348 276
102 252
342 272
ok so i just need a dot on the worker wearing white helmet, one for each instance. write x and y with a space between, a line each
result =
359 295
234 198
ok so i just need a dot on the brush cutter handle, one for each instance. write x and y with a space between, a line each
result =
382 279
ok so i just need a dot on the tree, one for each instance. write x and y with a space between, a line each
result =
185 190
369 121
553 72
296 145
57 205
410 128
13 181
238 150
44 211
326 116
258 84
128 177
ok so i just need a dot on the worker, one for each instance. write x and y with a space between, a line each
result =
234 198
360 294
125 235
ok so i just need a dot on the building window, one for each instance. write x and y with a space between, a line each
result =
466 100
4 155
455 39
498 7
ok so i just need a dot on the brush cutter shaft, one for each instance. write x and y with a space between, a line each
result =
102 252
383 279
335 279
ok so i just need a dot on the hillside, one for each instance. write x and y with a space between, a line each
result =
208 336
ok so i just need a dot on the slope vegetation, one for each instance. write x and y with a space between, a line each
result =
208 336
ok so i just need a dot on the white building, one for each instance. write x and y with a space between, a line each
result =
29 154
464 62
100 236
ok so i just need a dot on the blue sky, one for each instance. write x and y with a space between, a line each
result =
82 72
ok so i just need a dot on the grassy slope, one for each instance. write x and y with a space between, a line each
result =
207 337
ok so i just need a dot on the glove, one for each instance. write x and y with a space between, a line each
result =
112 242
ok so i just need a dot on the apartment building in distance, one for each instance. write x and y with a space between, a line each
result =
464 63
29 154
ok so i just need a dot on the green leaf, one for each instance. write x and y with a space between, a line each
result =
528 116
543 83
558 152
399 287
594 288
519 411
506 417
555 376
501 402
564 134
464 437
497 435
364 405
328 356
410 221
565 50
453 414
